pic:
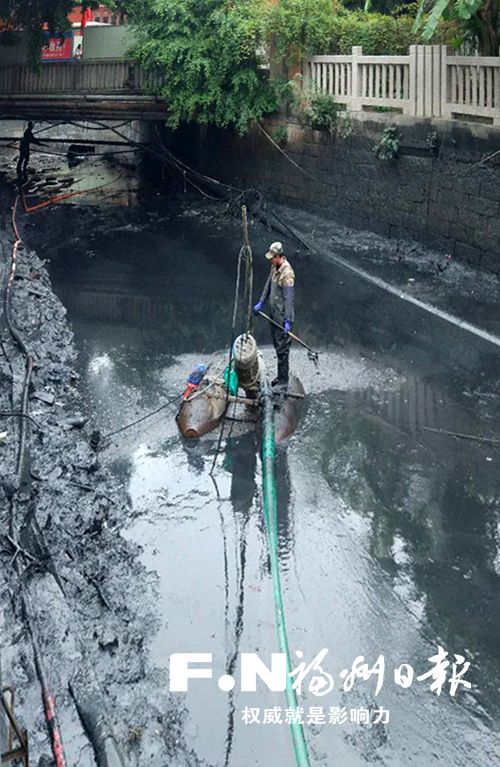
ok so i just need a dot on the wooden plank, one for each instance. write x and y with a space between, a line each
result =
392 72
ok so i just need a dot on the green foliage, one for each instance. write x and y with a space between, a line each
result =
389 145
280 134
299 28
207 50
322 112
473 20
376 33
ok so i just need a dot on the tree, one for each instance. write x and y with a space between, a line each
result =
475 19
208 52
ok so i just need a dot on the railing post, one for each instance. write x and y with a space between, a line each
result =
496 75
413 66
355 100
446 50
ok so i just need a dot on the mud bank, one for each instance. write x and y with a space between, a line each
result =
90 601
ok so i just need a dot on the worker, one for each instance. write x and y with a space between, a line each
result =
279 288
24 149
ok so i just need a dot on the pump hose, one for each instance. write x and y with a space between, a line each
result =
270 515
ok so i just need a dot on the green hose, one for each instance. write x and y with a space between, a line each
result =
270 514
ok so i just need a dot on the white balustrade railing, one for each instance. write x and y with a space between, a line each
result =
97 76
431 81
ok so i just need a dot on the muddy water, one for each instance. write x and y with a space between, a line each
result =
388 532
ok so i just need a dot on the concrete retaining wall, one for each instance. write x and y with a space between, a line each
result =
442 198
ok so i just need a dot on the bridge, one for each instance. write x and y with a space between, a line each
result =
87 89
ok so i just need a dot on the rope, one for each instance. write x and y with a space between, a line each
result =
142 418
245 254
299 167
270 515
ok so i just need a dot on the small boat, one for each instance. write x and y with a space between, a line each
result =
206 400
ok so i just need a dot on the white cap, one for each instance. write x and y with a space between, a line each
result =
276 249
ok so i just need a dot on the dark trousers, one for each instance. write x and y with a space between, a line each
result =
22 163
281 343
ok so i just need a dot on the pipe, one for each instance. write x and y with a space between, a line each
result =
270 515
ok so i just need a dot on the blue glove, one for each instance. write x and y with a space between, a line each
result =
287 326
258 307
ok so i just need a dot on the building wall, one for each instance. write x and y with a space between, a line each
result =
101 14
99 43
445 200
106 42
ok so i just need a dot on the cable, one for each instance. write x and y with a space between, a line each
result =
23 475
142 418
299 167
245 254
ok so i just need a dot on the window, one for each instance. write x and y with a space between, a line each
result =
105 19
97 18
113 20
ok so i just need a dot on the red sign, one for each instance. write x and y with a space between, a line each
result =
58 48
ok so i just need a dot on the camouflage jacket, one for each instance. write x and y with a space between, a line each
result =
279 288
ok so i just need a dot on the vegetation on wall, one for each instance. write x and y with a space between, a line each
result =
389 145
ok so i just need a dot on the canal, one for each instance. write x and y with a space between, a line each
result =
389 529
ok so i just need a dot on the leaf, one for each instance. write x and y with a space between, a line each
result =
419 18
431 24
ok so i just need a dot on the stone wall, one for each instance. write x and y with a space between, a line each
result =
435 192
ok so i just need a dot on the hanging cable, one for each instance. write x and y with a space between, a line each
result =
242 256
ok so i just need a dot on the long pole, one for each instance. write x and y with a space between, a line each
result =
314 354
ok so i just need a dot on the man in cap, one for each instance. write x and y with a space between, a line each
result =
24 149
279 288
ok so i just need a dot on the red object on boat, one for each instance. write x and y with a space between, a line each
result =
189 390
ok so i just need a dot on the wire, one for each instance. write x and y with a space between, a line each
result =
299 167
142 418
